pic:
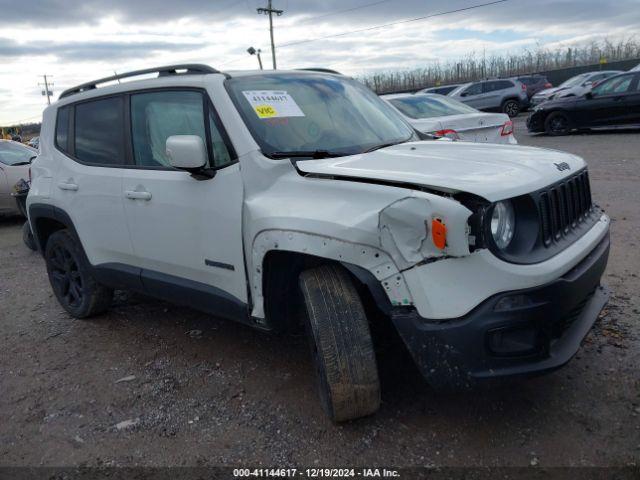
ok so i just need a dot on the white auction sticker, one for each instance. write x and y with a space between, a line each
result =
272 103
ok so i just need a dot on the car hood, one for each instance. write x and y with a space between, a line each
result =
494 172
565 102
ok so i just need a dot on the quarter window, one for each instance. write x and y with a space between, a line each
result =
62 128
99 132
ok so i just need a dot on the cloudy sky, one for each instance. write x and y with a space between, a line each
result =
78 40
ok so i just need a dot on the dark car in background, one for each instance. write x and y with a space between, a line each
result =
440 90
573 87
534 83
613 103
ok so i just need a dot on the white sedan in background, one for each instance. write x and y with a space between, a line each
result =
446 117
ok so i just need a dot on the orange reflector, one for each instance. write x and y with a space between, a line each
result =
439 233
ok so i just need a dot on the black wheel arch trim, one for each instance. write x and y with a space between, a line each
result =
38 211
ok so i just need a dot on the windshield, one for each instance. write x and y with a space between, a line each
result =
308 112
428 106
14 153
573 81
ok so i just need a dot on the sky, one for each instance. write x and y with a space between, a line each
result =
74 41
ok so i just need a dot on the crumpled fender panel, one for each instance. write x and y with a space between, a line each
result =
405 230
372 259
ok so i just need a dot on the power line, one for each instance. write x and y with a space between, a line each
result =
269 10
337 12
375 27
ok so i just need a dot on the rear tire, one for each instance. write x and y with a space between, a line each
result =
341 344
27 237
70 276
511 108
556 124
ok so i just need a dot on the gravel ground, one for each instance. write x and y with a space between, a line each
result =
153 384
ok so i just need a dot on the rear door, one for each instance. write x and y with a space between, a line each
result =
89 147
494 92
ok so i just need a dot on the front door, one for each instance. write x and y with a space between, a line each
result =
186 232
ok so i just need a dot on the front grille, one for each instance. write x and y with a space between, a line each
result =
563 206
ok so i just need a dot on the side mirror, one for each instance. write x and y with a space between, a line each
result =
189 153
186 152
588 84
588 95
464 94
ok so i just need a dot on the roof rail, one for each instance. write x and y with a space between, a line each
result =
190 69
318 69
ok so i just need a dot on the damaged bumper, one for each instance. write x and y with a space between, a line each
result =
520 332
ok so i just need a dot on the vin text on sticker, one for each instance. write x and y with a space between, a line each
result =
273 103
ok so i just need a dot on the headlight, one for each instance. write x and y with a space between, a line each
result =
503 222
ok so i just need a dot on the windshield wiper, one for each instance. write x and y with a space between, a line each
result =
315 154
391 144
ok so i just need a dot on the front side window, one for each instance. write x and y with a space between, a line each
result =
424 106
293 113
614 85
99 132
475 89
156 116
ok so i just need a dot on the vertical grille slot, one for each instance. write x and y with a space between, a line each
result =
545 220
563 206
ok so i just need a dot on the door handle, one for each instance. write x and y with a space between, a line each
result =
67 186
136 195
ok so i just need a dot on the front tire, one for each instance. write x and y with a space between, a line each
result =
341 344
556 124
511 108
70 276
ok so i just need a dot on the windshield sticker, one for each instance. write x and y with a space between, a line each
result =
272 104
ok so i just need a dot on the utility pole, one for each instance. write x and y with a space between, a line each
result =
46 92
269 10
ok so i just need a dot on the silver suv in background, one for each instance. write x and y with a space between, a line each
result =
506 95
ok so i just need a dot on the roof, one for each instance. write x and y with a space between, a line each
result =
183 70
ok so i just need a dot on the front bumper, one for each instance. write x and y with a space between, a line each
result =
498 339
535 122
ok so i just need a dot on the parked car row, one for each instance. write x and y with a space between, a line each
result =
613 103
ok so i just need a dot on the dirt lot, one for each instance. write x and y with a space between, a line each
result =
201 391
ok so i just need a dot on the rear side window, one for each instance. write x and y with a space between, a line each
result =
498 85
62 129
99 132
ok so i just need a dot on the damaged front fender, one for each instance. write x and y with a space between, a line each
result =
405 229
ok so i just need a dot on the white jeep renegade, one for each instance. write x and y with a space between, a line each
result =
250 194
